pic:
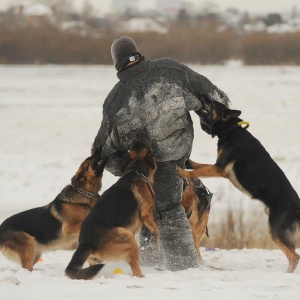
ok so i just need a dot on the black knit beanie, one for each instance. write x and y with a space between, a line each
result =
124 51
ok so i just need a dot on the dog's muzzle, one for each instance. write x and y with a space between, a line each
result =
205 120
205 126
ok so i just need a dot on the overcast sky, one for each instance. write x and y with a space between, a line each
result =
263 6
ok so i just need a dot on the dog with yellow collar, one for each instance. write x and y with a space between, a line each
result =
246 163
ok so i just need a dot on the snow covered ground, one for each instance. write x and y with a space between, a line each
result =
49 116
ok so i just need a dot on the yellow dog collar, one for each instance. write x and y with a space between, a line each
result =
244 123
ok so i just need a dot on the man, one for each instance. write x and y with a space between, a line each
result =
152 101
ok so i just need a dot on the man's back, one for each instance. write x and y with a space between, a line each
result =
152 101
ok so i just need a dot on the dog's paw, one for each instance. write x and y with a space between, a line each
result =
189 164
179 170
182 173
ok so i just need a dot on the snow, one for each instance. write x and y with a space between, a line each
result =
49 116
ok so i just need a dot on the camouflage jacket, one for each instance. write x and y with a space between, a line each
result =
152 101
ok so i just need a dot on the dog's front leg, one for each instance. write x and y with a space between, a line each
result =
146 205
205 171
190 164
149 222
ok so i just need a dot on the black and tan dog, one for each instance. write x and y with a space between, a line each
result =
108 232
196 200
245 162
24 236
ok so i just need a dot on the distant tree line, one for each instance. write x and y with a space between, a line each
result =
270 49
49 44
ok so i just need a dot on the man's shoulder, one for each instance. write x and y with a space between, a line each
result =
113 91
166 63
110 97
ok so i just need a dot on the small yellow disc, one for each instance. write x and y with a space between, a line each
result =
118 271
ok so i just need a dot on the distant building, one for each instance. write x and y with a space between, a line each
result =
284 28
164 7
255 27
75 26
38 14
169 7
124 6
142 25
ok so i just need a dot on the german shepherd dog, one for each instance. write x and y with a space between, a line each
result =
196 200
245 162
108 232
24 236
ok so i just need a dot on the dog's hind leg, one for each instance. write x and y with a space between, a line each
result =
284 239
21 246
29 255
124 246
37 256
197 246
92 260
133 257
200 231
290 253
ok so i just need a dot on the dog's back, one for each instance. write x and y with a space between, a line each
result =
116 208
36 222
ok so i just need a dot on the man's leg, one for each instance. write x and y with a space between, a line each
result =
150 252
177 244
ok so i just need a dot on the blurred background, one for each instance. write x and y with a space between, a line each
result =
201 32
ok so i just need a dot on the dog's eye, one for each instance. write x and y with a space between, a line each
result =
204 111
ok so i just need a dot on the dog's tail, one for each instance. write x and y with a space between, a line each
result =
74 269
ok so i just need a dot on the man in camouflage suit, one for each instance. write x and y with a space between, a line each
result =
152 101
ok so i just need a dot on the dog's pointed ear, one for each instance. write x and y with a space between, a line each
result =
230 113
150 161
